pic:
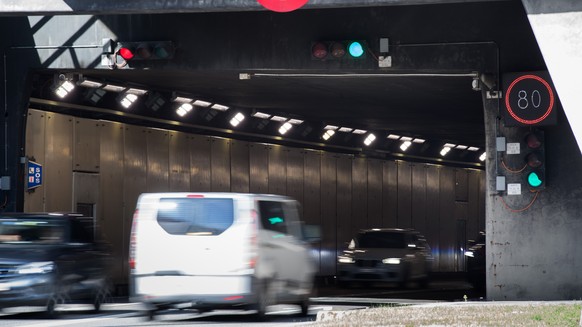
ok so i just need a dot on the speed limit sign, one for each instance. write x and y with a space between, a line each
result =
530 99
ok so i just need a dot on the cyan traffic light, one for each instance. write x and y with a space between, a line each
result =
339 50
535 159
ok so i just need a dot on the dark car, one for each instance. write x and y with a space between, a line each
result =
476 261
48 259
389 255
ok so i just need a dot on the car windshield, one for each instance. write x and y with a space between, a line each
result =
380 239
31 231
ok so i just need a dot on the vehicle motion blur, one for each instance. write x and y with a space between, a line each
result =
48 259
216 250
389 255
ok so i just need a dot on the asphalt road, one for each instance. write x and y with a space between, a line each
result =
328 297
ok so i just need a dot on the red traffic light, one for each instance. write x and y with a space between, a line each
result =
156 50
126 53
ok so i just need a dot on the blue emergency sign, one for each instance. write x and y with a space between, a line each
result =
34 175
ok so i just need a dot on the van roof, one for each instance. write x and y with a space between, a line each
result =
215 194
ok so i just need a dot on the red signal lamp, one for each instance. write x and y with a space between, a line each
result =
126 53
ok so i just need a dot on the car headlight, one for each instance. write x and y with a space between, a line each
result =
469 254
391 261
36 268
343 259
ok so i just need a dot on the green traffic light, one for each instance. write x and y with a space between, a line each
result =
355 49
533 179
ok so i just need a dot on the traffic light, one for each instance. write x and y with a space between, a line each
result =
339 50
535 160
126 52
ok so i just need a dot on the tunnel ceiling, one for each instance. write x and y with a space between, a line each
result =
437 107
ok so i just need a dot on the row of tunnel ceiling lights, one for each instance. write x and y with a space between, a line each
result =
185 105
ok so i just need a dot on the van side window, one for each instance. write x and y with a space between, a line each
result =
273 216
195 216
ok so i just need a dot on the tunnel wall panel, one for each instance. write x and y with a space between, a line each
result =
200 163
179 162
111 215
328 213
259 168
59 162
158 160
35 146
86 145
277 170
220 164
374 193
239 168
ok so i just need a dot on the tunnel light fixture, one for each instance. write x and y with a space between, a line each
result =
405 145
95 95
201 103
279 118
127 99
331 127
406 139
261 115
155 101
461 147
393 137
450 145
483 156
361 131
63 88
237 119
445 150
90 83
306 130
345 129
209 114
219 107
182 100
418 141
295 121
184 108
328 134
285 128
369 139
136 91
113 88
472 148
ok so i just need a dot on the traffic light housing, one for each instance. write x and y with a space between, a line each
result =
126 52
534 155
339 50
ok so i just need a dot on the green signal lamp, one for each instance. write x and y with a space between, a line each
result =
356 49
534 180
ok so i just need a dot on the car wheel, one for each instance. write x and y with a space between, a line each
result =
405 278
102 295
304 307
265 298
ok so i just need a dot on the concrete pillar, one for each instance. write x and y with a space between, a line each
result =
557 25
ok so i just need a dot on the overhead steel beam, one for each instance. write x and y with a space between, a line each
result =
107 7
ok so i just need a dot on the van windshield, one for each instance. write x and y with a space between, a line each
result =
195 216
31 231
380 239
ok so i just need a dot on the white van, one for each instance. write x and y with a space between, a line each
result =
213 250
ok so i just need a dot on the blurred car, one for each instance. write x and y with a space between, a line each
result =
475 255
209 251
386 255
48 259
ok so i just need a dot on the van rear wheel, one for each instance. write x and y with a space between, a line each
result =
264 299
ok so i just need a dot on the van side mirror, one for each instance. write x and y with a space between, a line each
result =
311 233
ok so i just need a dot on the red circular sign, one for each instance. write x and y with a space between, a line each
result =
282 5
544 92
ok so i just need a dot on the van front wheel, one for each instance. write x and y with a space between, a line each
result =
264 299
